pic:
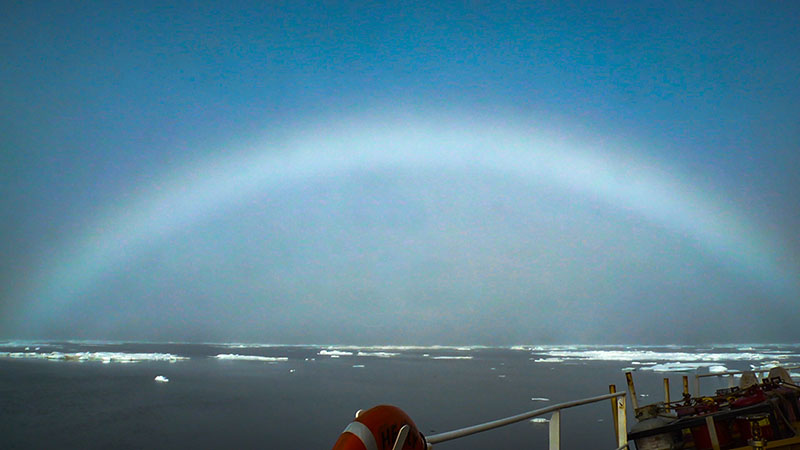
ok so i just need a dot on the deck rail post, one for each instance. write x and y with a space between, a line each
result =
685 386
555 431
632 391
612 389
622 425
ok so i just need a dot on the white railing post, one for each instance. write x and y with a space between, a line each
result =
555 431
622 425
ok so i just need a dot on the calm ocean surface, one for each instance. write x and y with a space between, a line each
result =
104 395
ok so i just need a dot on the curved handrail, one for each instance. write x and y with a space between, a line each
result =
462 432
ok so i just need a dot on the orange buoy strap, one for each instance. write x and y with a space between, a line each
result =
363 433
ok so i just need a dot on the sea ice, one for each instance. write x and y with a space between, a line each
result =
548 360
378 354
161 379
232 356
679 366
104 357
651 355
334 353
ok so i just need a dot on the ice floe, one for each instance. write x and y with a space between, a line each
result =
334 353
765 366
540 420
540 399
161 379
656 356
233 356
104 357
378 354
681 367
402 348
26 344
247 345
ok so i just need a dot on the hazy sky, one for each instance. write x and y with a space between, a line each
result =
476 173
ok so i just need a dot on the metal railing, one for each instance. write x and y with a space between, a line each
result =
618 410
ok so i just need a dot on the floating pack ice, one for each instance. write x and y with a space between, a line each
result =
593 354
104 357
684 367
378 354
334 353
233 356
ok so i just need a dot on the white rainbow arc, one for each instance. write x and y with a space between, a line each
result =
181 199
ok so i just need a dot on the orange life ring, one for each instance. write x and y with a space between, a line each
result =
377 429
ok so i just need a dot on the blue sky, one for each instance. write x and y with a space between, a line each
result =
457 167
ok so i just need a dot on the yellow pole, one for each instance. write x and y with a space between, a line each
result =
632 391
612 389
666 393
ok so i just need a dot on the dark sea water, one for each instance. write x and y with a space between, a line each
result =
86 395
